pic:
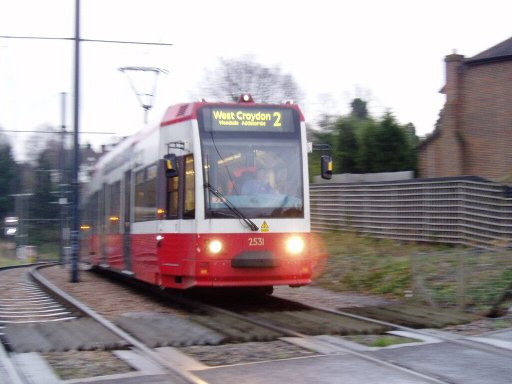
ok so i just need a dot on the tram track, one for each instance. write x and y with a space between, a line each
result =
23 302
259 317
334 345
180 376
288 330
288 326
29 327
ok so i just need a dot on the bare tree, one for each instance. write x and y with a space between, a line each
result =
46 138
233 77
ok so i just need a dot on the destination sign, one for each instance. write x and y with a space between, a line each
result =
249 119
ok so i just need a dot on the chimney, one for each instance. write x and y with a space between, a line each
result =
453 72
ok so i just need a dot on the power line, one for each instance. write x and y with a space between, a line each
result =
84 40
58 132
75 244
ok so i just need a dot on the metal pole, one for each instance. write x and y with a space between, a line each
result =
75 228
62 180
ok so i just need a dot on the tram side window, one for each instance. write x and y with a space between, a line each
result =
93 213
145 194
89 213
190 194
106 209
100 211
113 221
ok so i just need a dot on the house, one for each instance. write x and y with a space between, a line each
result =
473 135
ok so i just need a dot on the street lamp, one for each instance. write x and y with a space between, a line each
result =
143 82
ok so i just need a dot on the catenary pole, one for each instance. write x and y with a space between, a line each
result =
75 188
75 228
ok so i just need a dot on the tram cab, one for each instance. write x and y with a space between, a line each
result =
216 196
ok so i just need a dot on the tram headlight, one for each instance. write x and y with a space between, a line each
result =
215 246
295 245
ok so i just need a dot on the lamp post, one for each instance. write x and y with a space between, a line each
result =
143 82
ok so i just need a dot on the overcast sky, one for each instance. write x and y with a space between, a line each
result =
390 53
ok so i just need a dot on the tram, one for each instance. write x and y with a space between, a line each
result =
216 195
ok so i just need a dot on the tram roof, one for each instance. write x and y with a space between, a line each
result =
175 114
187 111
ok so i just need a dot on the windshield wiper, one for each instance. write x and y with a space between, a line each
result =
232 208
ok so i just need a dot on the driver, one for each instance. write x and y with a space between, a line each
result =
258 184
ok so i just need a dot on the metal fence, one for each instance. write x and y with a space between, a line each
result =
466 210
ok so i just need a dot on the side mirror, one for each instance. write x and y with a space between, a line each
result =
326 167
171 169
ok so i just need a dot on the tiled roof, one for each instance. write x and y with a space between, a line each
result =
501 51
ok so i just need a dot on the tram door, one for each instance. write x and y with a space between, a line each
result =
126 220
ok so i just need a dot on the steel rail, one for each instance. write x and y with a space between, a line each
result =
285 331
466 343
289 332
141 347
13 375
266 324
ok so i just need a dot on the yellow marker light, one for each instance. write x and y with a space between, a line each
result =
215 246
160 214
85 227
203 269
114 218
295 245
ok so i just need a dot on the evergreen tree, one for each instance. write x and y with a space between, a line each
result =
346 148
359 109
362 144
9 180
43 202
367 148
393 149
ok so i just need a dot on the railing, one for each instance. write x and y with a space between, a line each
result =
465 210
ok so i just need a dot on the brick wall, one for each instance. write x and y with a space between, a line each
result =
487 119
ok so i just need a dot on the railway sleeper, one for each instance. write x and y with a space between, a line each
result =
78 334
413 316
427 318
161 330
235 329
337 324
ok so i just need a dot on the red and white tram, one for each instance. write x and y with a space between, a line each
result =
215 196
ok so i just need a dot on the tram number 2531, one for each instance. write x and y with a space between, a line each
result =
256 241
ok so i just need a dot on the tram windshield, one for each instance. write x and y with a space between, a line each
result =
258 171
